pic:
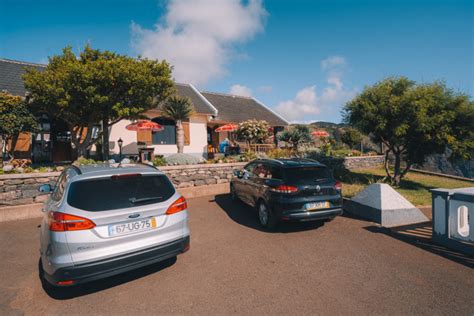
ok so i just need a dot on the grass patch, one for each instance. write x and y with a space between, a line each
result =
414 186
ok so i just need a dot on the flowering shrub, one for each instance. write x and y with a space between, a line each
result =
253 131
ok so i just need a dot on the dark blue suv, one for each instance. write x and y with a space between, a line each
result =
288 190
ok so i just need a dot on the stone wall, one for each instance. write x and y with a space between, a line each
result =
363 162
18 189
352 163
198 175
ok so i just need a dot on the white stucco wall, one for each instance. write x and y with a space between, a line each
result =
197 133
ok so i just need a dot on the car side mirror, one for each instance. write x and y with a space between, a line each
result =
238 173
45 188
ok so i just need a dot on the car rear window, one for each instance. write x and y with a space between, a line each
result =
307 175
104 194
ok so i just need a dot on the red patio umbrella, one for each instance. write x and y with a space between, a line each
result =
320 133
227 128
144 125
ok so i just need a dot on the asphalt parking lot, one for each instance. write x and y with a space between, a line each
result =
347 266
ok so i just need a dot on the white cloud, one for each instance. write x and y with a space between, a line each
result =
265 89
198 36
302 106
309 106
333 61
238 89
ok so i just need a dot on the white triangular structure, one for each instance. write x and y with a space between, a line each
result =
380 203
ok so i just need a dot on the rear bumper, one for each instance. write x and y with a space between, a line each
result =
87 272
312 216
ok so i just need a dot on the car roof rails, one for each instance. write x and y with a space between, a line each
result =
147 165
305 159
276 160
76 168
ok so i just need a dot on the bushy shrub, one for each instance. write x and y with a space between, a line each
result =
228 159
81 161
159 161
296 136
351 137
248 156
345 153
313 154
182 159
279 153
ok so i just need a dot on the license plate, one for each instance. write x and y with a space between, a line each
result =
132 227
317 205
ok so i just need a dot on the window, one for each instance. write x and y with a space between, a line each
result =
275 172
250 168
166 136
267 171
307 175
104 194
60 186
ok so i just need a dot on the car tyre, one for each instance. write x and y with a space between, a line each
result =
266 217
233 195
329 219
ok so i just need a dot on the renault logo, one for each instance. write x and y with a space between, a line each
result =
318 188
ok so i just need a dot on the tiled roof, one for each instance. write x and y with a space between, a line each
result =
232 108
228 108
201 105
10 75
12 82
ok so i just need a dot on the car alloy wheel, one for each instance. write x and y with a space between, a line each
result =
263 214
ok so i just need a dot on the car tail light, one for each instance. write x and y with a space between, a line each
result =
338 186
177 206
284 189
68 282
61 222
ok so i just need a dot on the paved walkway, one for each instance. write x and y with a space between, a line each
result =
347 266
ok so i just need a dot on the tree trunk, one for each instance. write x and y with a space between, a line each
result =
397 176
179 136
105 138
11 151
81 143
385 164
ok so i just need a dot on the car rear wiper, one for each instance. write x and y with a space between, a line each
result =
135 200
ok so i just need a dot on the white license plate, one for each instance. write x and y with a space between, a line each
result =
132 227
317 205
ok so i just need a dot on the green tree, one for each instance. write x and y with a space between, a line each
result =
15 118
178 109
413 121
97 87
351 137
296 136
253 131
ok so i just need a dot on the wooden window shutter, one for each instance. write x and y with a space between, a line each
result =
23 142
187 137
144 137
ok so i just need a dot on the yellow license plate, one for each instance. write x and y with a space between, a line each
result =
317 206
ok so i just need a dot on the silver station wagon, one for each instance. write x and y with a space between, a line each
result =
102 220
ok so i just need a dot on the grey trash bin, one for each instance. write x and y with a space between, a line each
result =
453 216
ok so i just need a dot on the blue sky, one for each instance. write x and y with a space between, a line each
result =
304 59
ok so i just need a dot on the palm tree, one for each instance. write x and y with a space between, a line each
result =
178 109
